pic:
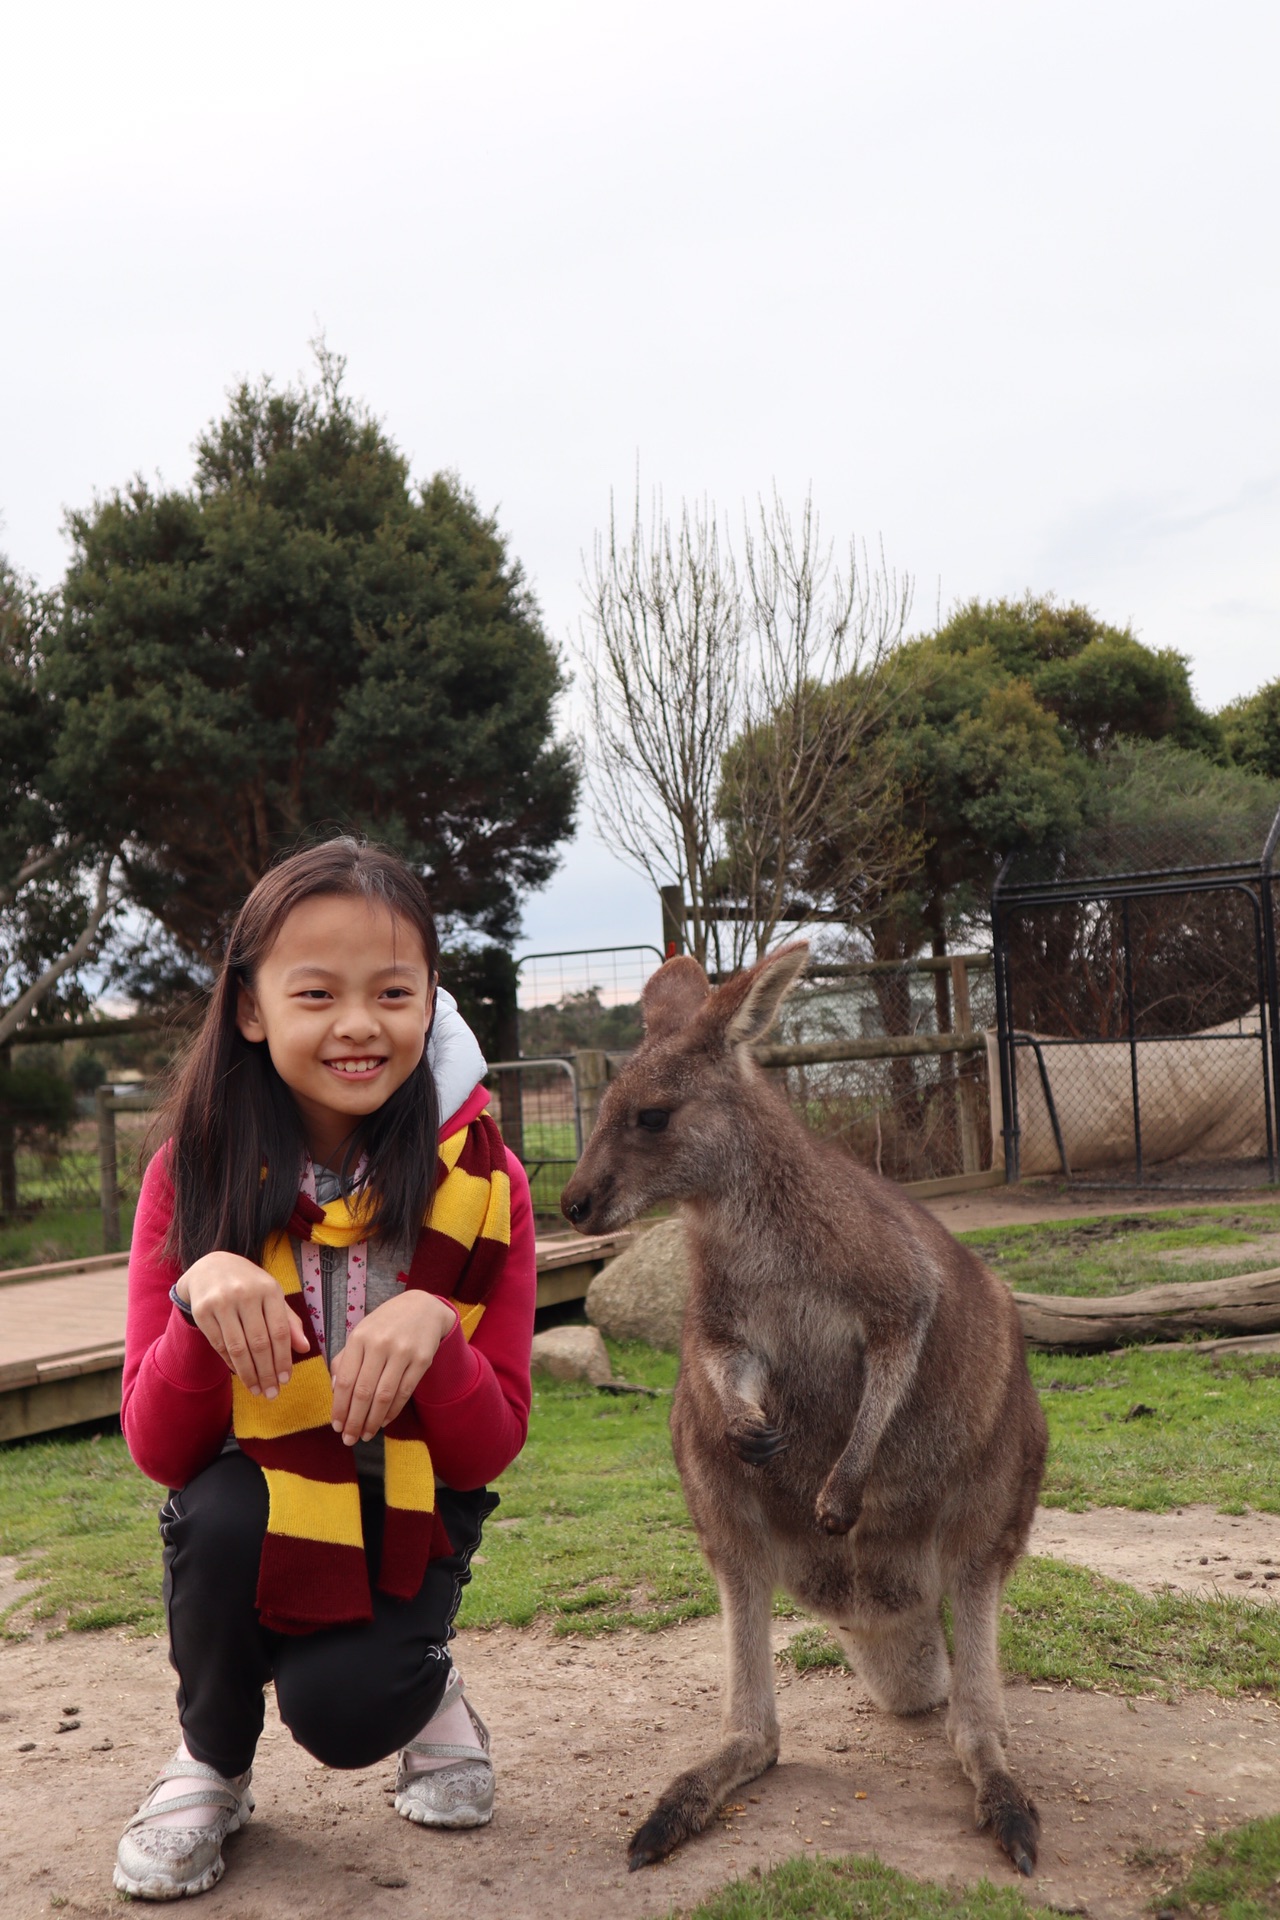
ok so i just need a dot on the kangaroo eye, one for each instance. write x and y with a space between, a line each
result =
652 1119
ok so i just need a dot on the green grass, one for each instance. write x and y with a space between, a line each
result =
1236 1877
86 1517
59 1233
857 1889
1120 1252
592 1530
1210 1434
592 1533
1064 1624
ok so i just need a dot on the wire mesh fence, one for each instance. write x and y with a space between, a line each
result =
536 1105
1139 1010
913 1117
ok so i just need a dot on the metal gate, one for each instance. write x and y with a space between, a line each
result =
1138 1016
573 1008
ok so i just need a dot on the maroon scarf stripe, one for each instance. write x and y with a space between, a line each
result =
307 1584
310 1453
409 1542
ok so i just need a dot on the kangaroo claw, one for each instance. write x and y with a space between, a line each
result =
660 1835
1013 1820
756 1445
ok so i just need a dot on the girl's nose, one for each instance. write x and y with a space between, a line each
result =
356 1022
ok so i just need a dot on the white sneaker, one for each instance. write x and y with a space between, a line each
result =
460 1795
164 1862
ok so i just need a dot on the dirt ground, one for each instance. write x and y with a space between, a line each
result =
587 1731
1038 1200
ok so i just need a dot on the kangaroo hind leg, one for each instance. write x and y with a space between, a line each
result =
750 1724
893 1630
976 1723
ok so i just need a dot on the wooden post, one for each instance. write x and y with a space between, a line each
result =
510 1084
8 1153
592 1070
108 1175
672 920
966 1092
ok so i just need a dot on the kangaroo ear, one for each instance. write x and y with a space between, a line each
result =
753 999
673 995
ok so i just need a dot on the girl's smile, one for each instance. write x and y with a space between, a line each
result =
343 1001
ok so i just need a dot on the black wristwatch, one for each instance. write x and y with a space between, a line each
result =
184 1306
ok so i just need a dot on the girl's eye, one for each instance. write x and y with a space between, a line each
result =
652 1119
313 993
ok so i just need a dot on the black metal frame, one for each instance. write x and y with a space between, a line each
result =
1257 880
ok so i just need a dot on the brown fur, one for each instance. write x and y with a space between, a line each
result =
854 1421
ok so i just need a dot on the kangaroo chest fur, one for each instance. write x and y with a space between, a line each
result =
794 1349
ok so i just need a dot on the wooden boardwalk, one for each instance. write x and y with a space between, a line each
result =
62 1330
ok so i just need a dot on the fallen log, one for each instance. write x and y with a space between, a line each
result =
1246 1303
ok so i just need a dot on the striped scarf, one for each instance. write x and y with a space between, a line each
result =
313 1571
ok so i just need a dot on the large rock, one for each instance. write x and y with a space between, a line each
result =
641 1294
572 1353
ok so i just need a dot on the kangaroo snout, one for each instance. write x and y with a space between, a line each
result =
576 1212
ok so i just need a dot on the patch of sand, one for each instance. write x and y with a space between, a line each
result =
1193 1550
1268 1249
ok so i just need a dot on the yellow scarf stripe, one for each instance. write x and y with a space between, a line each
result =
306 1509
306 1402
410 1480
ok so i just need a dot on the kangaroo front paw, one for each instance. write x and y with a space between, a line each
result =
838 1509
756 1442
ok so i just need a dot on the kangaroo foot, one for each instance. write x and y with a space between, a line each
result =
1013 1819
691 1800
666 1829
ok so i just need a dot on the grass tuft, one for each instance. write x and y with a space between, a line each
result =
1236 1877
854 1888
1069 1626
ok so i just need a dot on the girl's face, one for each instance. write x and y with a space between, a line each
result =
343 1001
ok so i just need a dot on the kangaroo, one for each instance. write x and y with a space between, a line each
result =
854 1421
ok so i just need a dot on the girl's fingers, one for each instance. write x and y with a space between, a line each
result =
360 1379
249 1345
387 1399
281 1321
404 1393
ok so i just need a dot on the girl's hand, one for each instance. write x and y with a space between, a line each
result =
240 1310
383 1361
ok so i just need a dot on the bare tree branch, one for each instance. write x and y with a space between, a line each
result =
665 613
39 863
733 715
13 1016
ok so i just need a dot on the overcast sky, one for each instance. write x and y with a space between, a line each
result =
1001 281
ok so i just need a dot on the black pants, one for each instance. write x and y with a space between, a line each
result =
349 1695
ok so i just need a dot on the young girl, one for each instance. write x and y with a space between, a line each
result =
325 1382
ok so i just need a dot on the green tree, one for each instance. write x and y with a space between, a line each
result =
54 860
304 641
1008 711
1251 730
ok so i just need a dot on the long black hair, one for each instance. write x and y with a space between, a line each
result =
231 1115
